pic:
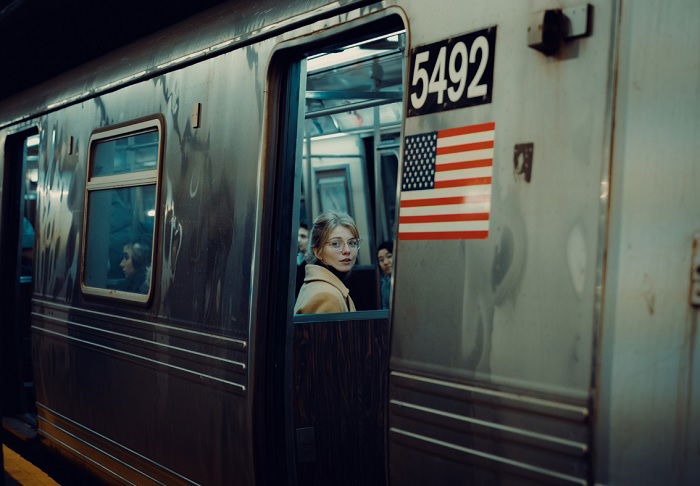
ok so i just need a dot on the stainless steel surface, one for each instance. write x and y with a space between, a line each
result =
118 370
54 425
514 313
649 381
218 30
561 349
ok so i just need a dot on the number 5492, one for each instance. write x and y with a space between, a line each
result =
452 74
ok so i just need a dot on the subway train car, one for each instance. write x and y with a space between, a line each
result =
535 165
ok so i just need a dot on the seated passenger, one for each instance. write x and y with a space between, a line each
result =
385 253
331 255
135 268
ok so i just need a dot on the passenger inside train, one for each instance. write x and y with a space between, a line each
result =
136 268
335 242
350 151
121 184
385 253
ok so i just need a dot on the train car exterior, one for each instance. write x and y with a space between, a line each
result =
534 164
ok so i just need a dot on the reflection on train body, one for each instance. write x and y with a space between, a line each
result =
523 168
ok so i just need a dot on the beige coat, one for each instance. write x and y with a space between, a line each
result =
322 292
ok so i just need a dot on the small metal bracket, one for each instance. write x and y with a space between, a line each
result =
548 29
695 273
576 21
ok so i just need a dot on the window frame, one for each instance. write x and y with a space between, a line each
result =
120 181
300 55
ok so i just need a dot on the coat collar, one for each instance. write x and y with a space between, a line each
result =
319 273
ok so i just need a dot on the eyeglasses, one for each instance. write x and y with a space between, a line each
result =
338 245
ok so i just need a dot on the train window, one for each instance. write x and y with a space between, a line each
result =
349 159
121 209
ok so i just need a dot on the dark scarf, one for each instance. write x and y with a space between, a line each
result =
342 276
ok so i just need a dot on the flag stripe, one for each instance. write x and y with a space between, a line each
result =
451 132
465 139
480 225
464 148
480 207
476 181
469 164
463 174
444 218
444 235
436 201
469 191
464 156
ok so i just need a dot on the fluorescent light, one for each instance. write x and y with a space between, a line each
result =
151 213
328 60
352 52
330 135
33 141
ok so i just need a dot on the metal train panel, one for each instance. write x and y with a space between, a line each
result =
650 373
138 362
546 336
494 370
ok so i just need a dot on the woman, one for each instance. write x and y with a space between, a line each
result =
331 254
385 254
133 264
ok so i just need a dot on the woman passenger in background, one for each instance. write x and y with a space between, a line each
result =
135 268
385 255
331 254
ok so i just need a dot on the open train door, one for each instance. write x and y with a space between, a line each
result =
17 233
342 100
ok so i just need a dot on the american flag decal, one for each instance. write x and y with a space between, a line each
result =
446 184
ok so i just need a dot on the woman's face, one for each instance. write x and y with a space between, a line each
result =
384 257
343 258
127 263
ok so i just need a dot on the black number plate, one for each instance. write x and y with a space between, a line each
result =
452 73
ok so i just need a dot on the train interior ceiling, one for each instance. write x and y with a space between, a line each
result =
350 148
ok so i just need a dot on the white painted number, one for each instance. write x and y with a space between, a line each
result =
475 89
458 77
458 67
438 83
420 75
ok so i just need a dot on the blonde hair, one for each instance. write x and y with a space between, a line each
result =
323 226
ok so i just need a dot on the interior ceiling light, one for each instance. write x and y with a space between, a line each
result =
350 53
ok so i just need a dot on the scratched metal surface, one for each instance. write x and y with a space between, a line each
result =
204 35
650 378
493 340
117 378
